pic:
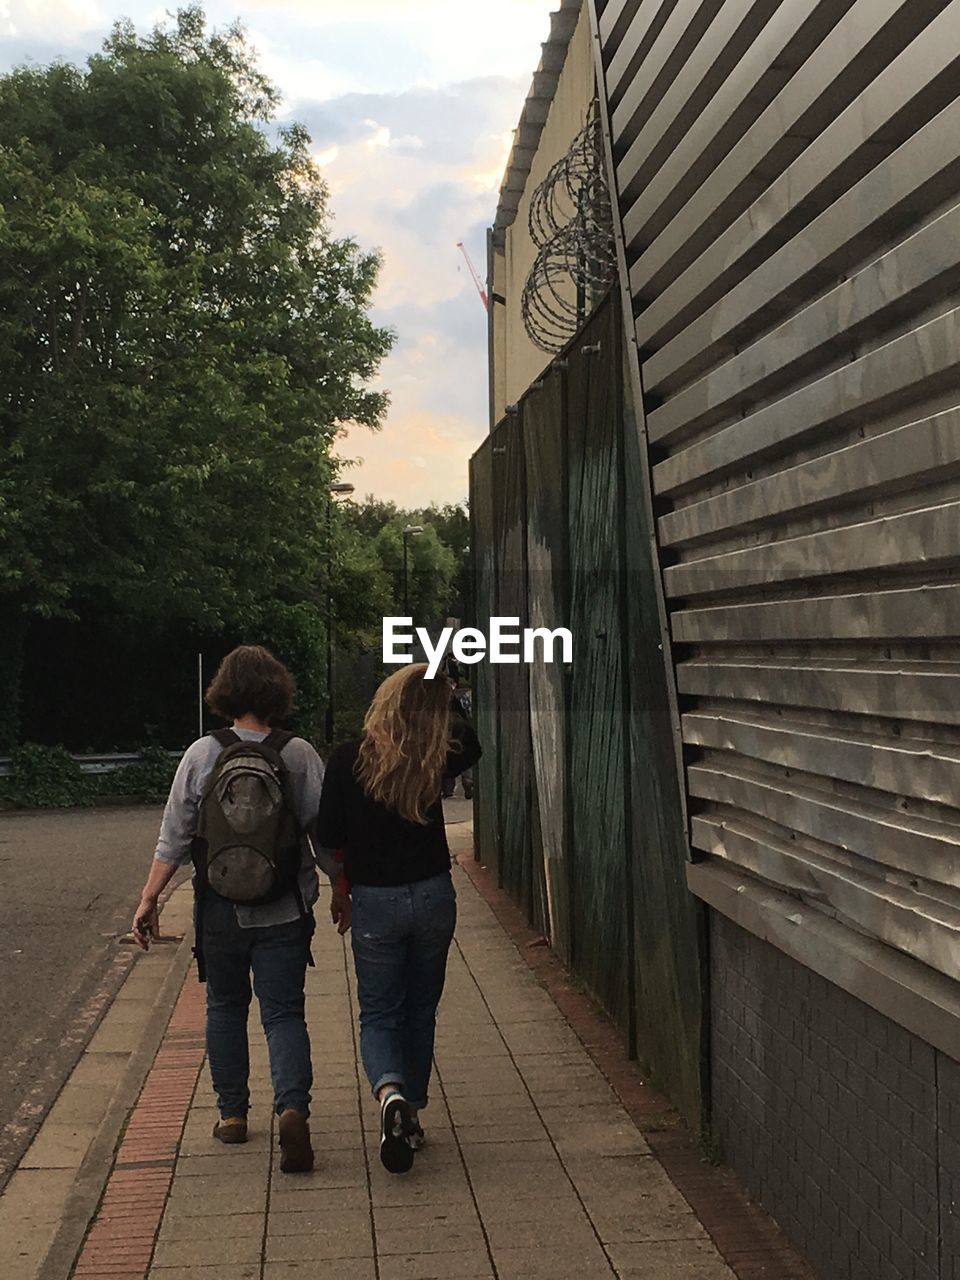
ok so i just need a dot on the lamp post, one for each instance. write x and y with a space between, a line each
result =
411 531
334 491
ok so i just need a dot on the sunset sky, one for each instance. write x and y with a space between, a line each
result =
411 105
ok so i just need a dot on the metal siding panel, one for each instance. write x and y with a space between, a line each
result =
693 129
915 767
922 362
807 149
903 281
906 458
915 924
682 106
918 539
884 834
795 291
893 689
916 613
922 174
665 60
630 42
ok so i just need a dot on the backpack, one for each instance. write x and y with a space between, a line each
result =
247 848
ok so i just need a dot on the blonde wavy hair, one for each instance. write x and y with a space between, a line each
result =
406 738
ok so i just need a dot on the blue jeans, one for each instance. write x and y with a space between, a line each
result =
277 956
401 936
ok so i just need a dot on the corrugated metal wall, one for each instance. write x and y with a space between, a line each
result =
578 802
789 181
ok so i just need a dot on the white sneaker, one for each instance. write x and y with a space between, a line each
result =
396 1154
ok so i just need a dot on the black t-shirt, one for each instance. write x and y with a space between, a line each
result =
380 847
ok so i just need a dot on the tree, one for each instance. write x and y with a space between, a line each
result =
440 566
452 523
180 336
431 569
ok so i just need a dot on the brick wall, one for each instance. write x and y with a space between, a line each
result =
845 1126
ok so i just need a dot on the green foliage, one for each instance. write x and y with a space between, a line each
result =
296 634
47 778
50 778
180 334
148 779
431 568
438 559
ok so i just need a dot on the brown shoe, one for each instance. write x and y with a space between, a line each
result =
231 1130
296 1151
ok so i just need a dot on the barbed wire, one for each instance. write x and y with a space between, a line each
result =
571 223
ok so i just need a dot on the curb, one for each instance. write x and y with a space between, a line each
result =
94 1173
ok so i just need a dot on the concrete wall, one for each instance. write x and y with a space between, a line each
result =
517 361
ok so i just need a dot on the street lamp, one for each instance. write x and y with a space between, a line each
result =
411 531
334 491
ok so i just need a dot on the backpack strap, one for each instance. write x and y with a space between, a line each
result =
199 892
223 738
278 739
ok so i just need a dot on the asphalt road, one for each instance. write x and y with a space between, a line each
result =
69 883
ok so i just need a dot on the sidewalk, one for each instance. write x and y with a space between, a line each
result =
533 1167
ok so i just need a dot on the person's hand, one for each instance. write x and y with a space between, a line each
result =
146 923
341 912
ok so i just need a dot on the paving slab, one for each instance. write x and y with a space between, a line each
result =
332 1241
207 1253
533 1167
321 1269
536 1262
176 1226
437 1266
676 1260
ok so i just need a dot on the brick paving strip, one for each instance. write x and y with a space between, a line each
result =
541 1162
121 1241
47 1203
747 1238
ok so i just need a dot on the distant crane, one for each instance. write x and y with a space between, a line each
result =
476 276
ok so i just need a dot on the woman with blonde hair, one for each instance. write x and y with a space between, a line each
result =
381 805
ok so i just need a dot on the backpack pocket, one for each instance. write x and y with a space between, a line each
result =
241 873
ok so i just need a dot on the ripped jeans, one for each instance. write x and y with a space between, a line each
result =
401 937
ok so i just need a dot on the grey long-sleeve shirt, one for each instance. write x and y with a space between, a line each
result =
179 826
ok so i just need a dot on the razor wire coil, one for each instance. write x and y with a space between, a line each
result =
571 224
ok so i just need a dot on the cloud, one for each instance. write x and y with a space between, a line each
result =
416 203
384 45
35 20
448 119
418 461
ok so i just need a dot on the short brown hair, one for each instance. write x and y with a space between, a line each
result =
251 681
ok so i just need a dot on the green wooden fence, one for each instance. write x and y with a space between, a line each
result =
578 805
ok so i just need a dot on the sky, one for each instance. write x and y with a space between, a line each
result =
411 105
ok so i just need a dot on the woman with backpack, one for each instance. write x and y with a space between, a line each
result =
241 808
381 806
